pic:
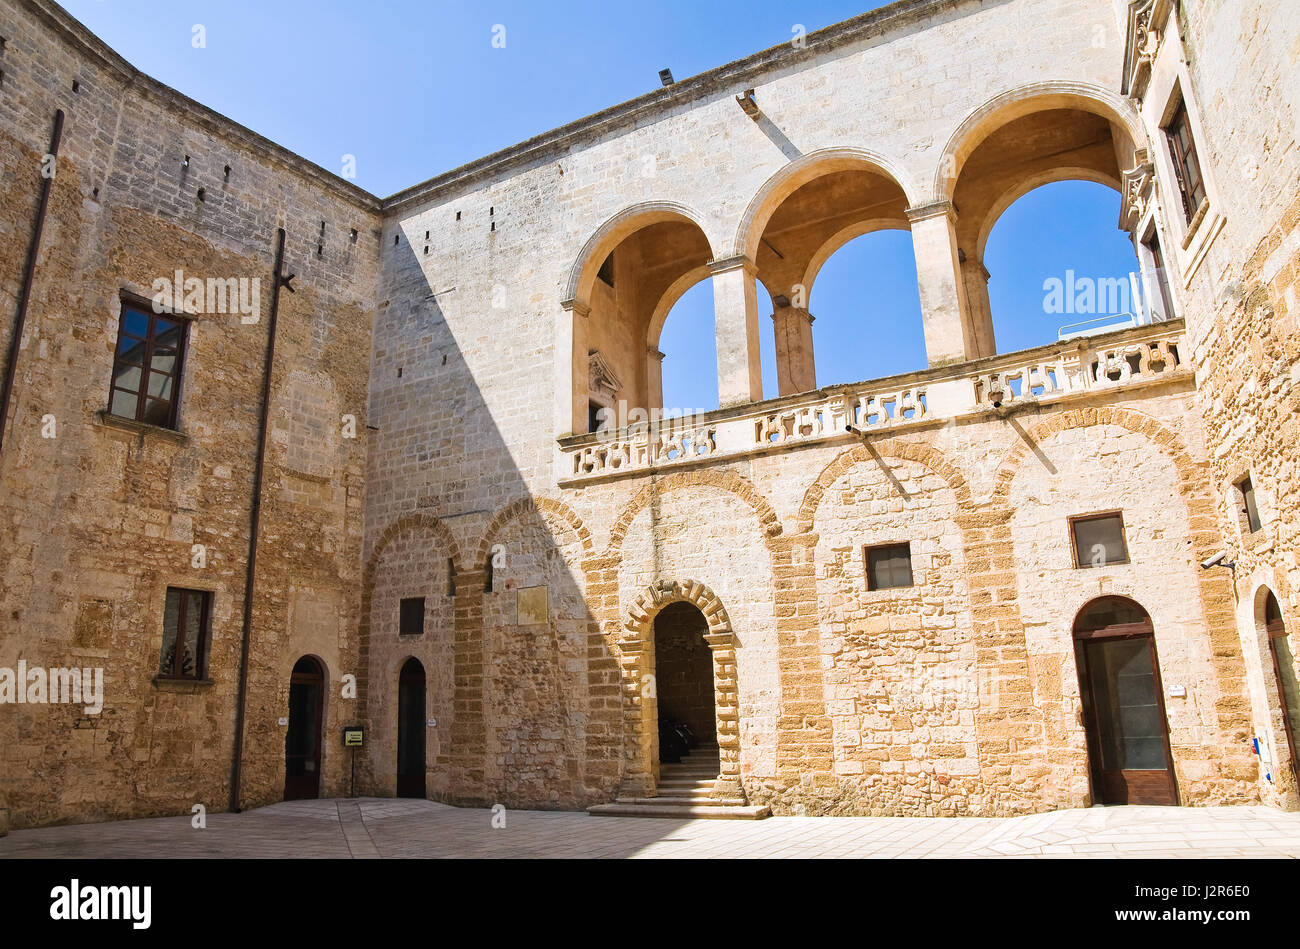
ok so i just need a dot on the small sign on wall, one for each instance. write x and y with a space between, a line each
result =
354 736
532 606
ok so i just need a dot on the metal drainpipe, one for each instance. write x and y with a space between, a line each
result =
29 276
277 280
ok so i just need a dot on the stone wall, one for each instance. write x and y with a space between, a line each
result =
443 468
101 518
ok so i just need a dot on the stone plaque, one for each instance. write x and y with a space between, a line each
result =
532 606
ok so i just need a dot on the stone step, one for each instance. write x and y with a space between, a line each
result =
701 772
682 811
686 782
677 801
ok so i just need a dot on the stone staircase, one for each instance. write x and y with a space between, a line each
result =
685 792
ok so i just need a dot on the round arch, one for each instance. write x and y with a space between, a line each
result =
533 505
640 718
800 172
669 300
842 237
1033 183
726 481
582 275
1025 100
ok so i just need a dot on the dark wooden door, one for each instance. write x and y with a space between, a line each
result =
302 743
1288 690
1124 710
410 730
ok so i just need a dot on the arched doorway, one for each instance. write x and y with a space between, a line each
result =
1284 671
410 729
1123 704
683 664
302 742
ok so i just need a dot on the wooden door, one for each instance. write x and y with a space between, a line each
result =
410 730
1123 706
302 742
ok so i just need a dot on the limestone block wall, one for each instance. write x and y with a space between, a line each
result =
101 518
1236 281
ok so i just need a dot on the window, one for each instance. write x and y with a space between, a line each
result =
1246 494
487 575
1152 244
147 366
186 616
889 566
1099 540
1187 166
451 577
412 616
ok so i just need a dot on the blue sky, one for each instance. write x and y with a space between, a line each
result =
412 89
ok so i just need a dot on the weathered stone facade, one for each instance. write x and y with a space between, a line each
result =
456 466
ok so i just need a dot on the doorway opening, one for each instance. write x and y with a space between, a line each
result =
684 690
302 742
1284 671
410 730
1123 704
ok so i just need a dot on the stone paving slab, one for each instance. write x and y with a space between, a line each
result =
374 827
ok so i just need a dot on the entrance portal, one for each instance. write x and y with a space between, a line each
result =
1123 704
1288 689
684 683
302 743
410 730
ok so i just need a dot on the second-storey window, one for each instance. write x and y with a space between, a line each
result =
147 366
1187 166
1099 540
186 616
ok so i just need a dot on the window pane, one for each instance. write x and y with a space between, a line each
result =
411 616
130 350
889 567
160 385
157 412
1099 541
195 610
162 361
135 323
127 377
1130 725
171 617
124 404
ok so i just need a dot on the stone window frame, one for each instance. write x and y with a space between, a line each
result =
1076 519
1237 507
1171 86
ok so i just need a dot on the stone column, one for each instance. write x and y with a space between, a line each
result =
795 370
979 311
735 304
948 337
654 379
572 368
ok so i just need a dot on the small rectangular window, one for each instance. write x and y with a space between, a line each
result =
1161 276
147 366
451 577
1187 165
186 615
889 566
412 616
1246 493
1099 540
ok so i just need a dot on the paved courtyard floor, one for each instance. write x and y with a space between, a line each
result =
377 827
